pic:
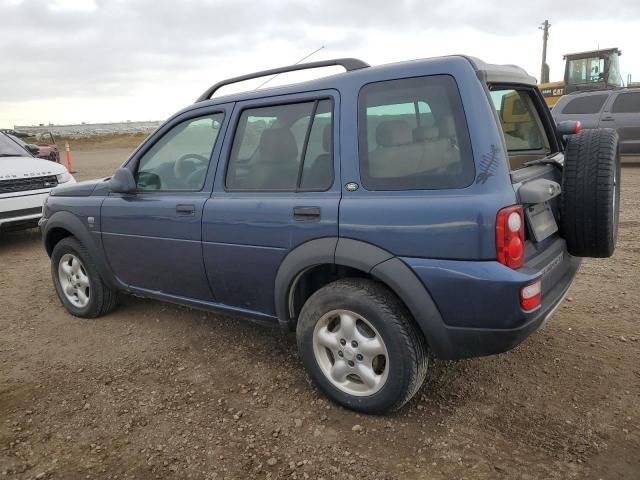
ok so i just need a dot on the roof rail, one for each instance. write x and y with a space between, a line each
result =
348 64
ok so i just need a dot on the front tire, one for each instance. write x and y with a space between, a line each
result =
77 282
360 346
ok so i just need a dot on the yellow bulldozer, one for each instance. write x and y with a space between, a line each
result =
592 70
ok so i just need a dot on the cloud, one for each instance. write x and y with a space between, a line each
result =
120 48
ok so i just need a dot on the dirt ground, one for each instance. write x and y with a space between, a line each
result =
159 391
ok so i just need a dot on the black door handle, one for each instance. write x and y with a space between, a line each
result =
607 119
306 213
186 210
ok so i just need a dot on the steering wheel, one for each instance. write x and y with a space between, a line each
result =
187 165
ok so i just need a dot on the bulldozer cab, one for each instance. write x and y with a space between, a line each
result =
593 70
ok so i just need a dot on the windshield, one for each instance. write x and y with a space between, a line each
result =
586 70
9 148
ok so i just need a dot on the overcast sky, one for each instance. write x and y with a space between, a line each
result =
68 61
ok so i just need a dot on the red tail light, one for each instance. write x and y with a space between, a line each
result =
510 236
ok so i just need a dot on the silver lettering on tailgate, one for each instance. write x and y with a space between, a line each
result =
553 264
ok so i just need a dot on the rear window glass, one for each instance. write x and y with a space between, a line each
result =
519 120
413 135
585 105
626 103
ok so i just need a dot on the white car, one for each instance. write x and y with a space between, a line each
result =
25 183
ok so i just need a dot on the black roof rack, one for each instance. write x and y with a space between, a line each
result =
348 64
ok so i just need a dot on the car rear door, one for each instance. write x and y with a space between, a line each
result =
275 189
152 237
622 112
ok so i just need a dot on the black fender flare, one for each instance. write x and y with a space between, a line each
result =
380 264
309 254
396 275
90 240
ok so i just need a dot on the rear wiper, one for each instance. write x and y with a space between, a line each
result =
548 160
9 155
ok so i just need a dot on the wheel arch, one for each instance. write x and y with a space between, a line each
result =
53 236
319 262
64 224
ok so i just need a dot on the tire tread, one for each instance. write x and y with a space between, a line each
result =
395 313
105 299
588 221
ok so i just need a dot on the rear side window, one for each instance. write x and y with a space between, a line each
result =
413 135
585 105
283 148
626 103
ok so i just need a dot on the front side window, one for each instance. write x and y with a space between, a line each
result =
413 135
180 159
519 120
626 103
283 148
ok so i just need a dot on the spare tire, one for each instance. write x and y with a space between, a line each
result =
590 200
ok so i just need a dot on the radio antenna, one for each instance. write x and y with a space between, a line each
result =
301 60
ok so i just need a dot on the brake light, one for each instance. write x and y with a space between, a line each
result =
510 236
531 296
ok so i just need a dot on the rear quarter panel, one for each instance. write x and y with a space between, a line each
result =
454 224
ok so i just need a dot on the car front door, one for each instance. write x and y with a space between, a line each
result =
622 112
152 237
275 190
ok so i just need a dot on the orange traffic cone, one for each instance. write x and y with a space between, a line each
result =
69 162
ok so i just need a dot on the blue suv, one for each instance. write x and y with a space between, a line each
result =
387 215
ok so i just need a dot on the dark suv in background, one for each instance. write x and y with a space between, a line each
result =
386 214
617 109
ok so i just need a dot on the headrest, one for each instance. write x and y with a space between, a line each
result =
277 145
427 120
448 127
393 133
422 134
326 138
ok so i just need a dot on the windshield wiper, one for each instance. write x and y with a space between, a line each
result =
548 160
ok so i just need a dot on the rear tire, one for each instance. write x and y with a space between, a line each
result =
380 364
590 201
77 282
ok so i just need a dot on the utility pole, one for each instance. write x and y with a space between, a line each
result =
544 71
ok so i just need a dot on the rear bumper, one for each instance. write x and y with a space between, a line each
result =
479 302
476 342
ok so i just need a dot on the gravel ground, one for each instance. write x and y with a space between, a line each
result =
159 391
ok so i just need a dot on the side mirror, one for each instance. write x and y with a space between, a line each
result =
34 149
569 127
122 181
